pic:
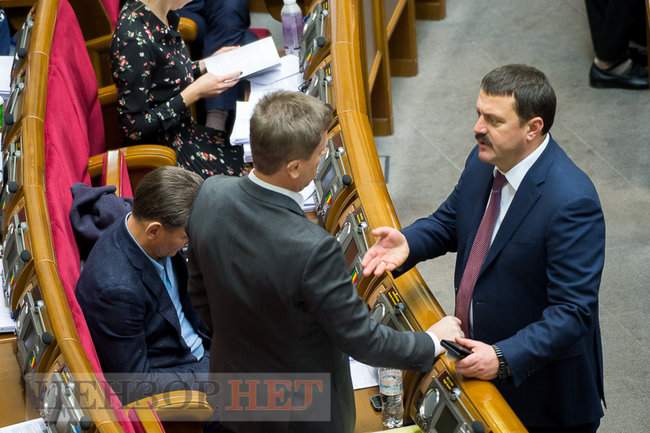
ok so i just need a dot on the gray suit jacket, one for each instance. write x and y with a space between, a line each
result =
272 287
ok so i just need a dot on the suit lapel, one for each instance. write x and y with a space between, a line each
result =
149 277
525 198
156 287
480 197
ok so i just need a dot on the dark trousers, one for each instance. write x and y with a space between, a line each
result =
583 428
613 24
221 23
132 387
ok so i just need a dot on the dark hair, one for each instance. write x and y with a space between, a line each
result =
533 94
286 126
166 195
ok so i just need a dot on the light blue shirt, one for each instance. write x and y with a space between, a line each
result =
165 271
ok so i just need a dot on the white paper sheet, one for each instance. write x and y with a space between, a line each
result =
32 426
5 76
309 195
7 324
241 128
289 66
363 376
248 59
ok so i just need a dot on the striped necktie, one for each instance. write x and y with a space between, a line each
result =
479 251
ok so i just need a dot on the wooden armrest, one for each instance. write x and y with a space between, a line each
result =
188 29
101 43
107 95
181 405
139 160
137 157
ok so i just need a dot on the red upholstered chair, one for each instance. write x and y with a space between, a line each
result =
73 132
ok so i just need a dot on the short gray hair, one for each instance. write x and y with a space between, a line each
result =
286 126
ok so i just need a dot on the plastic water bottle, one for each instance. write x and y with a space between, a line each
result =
390 387
292 24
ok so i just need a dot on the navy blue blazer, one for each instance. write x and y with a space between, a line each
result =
130 315
537 292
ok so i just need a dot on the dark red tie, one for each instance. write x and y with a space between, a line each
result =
479 251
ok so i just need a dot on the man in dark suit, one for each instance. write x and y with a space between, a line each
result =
273 286
530 236
133 292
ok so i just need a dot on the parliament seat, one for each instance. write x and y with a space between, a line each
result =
55 127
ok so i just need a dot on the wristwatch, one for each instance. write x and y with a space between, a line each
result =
504 371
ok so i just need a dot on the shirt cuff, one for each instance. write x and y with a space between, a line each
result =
436 344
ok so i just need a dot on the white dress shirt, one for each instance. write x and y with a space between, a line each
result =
293 195
515 176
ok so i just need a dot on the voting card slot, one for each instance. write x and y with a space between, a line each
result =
11 171
60 407
439 409
315 37
34 339
332 177
352 237
320 85
13 107
388 308
16 252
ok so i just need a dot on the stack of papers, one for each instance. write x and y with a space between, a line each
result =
32 426
309 196
284 76
240 135
363 376
247 59
7 324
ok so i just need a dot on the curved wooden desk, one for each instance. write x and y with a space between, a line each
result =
366 193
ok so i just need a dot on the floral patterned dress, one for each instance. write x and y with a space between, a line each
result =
151 66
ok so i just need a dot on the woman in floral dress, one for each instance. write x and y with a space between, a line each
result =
157 82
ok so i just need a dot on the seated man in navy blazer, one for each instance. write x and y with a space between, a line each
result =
133 292
530 236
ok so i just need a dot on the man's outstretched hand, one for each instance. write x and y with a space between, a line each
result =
390 251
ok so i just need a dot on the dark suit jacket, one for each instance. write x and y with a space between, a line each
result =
131 317
537 292
273 287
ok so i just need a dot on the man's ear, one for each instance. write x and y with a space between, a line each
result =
535 128
293 169
153 230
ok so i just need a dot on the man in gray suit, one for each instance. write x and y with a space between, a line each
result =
273 287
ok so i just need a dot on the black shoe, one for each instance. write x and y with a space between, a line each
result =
635 78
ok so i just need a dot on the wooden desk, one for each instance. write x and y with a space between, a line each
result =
13 408
368 420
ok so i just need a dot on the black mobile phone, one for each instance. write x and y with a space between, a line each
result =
455 350
376 403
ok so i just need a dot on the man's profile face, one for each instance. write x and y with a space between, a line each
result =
310 166
169 240
499 133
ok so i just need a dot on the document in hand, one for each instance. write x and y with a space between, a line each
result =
249 59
